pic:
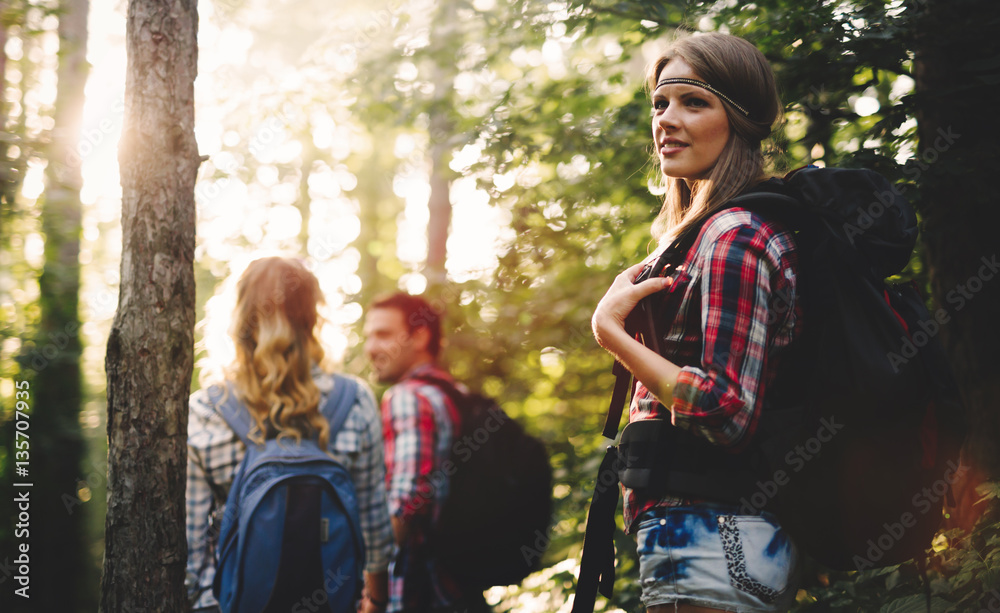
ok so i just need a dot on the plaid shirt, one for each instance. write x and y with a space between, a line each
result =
214 454
732 308
419 423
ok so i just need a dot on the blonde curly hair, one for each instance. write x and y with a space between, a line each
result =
274 328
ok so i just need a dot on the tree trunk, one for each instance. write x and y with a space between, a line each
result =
304 203
8 172
442 129
957 97
56 359
150 349
378 267
3 69
5 165
439 202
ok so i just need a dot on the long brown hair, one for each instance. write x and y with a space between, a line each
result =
740 70
274 328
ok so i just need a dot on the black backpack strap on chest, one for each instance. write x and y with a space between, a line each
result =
641 324
597 567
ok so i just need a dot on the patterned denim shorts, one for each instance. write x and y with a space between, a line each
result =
709 555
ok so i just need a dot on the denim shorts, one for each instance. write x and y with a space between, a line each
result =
709 555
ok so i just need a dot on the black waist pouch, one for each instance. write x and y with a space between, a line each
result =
657 459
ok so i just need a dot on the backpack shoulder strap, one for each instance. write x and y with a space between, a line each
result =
336 409
449 388
452 392
339 403
773 205
232 410
769 199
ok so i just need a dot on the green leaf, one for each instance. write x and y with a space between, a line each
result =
988 491
990 579
892 580
916 604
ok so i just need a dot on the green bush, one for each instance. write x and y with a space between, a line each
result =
963 576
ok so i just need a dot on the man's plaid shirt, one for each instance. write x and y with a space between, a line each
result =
214 453
420 424
732 308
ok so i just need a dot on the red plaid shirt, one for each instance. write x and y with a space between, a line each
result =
419 423
732 308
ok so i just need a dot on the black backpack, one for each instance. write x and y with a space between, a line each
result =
859 435
493 526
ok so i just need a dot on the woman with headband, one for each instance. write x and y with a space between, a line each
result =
722 321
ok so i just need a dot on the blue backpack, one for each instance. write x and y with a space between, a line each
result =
290 534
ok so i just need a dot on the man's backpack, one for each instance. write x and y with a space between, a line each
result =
859 435
290 533
493 526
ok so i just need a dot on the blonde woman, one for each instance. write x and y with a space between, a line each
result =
714 101
277 378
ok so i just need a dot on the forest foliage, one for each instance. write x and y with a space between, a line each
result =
316 134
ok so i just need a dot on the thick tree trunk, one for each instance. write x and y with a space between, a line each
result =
150 349
957 97
56 359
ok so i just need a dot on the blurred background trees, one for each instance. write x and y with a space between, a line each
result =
42 111
495 155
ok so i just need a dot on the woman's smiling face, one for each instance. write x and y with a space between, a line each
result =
690 125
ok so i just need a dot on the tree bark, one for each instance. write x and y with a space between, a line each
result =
441 139
56 359
150 350
439 202
957 97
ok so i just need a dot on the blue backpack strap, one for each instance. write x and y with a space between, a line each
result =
340 402
336 409
233 411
